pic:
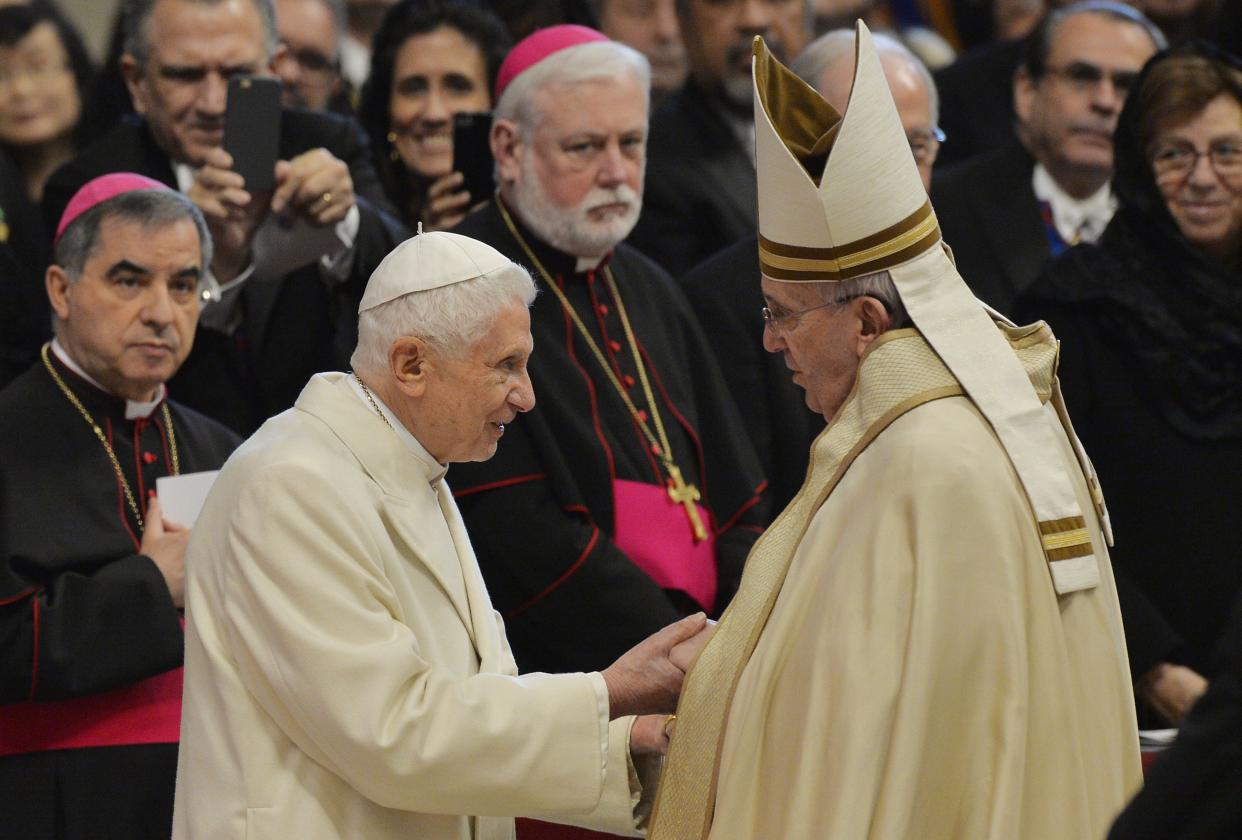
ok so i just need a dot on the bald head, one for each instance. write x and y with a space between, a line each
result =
827 64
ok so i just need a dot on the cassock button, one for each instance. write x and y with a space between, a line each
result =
148 457
603 309
615 346
642 414
628 380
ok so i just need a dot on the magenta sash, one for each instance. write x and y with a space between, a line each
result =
147 712
655 532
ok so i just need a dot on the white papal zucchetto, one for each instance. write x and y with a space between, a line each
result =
429 261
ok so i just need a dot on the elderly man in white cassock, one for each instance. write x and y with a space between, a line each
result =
346 675
926 643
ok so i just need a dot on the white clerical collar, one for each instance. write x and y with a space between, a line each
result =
355 59
133 408
586 264
1075 220
437 470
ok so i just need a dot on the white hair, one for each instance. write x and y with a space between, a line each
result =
879 286
450 319
591 62
838 44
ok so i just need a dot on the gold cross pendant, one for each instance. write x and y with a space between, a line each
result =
686 495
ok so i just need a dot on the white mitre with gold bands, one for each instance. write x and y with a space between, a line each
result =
840 197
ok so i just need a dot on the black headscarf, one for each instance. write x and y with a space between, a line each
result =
1173 309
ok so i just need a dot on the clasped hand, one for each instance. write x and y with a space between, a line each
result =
647 680
314 187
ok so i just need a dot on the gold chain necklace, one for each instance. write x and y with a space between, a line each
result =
103 439
679 491
371 400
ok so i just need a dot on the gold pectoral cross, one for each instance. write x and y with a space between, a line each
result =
686 495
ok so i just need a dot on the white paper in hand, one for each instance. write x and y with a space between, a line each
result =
182 496
1156 738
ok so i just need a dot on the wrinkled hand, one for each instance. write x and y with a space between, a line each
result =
232 214
1171 690
165 542
684 654
314 186
447 203
650 735
645 680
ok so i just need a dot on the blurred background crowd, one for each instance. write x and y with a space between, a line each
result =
1084 162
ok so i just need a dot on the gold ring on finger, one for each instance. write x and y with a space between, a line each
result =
327 198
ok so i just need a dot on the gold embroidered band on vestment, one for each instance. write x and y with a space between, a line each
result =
889 247
1066 538
899 373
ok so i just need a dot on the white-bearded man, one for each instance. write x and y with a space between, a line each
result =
633 410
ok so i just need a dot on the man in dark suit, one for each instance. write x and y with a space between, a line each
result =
312 31
1006 213
1194 789
700 186
290 264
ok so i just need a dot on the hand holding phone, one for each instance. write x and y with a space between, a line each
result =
232 213
252 130
314 186
472 153
446 204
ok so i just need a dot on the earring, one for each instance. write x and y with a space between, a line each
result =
393 155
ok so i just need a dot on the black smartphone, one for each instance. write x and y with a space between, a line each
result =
252 129
472 153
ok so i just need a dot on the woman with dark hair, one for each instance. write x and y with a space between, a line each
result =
1150 322
430 60
45 75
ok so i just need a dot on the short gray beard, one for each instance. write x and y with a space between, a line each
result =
567 228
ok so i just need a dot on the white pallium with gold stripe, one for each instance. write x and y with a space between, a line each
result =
840 197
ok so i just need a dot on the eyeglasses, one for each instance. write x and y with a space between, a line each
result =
1175 161
778 321
316 67
1083 76
9 74
925 143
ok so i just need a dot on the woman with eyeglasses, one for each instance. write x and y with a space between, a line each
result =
44 76
1150 322
431 60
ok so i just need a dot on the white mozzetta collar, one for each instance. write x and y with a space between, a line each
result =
435 470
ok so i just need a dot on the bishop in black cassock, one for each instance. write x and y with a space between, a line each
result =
90 640
544 514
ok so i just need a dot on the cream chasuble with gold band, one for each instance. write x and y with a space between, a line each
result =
926 643
896 663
